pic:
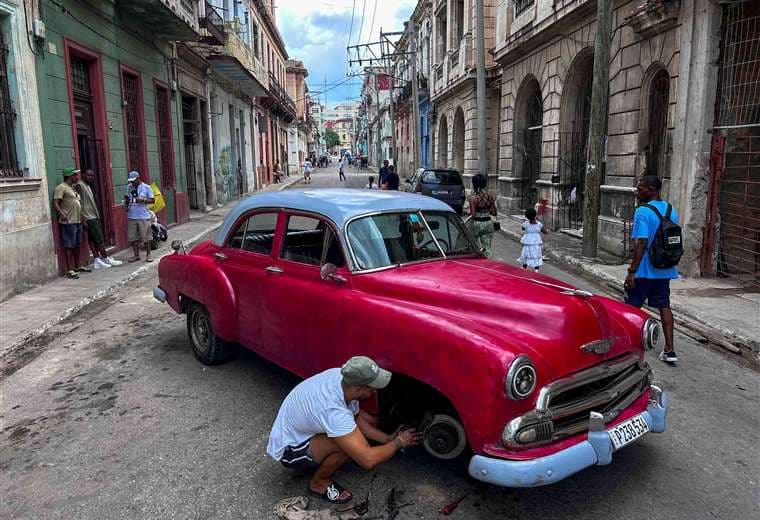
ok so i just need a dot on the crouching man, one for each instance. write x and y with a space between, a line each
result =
320 427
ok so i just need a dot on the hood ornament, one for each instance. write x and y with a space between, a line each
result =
598 347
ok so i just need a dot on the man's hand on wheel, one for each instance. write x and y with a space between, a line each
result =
409 438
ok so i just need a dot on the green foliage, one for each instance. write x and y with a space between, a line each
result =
331 138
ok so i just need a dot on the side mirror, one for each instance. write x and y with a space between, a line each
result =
329 272
177 245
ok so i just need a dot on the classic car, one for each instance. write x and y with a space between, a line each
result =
530 377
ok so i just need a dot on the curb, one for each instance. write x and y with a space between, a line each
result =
739 341
89 300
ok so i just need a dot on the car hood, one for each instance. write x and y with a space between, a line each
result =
525 312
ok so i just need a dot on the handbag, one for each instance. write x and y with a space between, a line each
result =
496 225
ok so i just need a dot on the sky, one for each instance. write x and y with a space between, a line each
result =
317 33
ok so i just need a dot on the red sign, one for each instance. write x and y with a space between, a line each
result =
383 82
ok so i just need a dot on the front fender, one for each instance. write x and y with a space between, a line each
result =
199 278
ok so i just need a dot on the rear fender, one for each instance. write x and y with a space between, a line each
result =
199 278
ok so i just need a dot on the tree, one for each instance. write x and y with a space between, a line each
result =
331 138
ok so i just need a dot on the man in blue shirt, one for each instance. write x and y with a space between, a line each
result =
645 281
383 174
137 198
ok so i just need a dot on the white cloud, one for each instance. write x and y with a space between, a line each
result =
317 32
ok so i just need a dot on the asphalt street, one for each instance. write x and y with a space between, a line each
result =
116 419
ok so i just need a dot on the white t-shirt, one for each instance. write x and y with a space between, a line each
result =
316 405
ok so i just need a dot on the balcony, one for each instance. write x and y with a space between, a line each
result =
172 20
236 63
278 101
212 25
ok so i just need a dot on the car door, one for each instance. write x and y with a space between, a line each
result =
244 258
302 317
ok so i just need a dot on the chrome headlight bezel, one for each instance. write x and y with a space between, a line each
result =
521 366
650 334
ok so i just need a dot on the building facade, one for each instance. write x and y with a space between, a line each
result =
26 241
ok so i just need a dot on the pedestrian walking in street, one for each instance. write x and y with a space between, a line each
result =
383 174
656 252
532 255
68 205
482 208
277 172
392 180
138 196
92 225
307 167
320 427
372 184
340 169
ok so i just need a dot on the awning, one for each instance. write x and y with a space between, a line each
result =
231 68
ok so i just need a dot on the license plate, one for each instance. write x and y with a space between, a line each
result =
440 192
628 431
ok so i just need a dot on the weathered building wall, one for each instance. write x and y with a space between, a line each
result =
26 243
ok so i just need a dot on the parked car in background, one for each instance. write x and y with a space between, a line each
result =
442 184
532 378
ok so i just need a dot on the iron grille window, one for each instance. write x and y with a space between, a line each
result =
80 76
132 122
522 5
8 162
165 151
659 96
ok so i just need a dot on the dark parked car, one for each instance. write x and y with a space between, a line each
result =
444 185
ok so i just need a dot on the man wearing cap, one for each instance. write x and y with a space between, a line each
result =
68 205
138 196
320 426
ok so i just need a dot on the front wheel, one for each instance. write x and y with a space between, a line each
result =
207 346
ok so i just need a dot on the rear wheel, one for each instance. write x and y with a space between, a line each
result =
207 346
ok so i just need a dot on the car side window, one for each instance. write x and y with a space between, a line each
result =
255 234
310 241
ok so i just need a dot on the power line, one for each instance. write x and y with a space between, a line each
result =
351 28
361 26
372 25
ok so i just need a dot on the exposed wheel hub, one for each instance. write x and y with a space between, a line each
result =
444 438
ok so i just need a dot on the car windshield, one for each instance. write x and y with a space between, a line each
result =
442 177
400 238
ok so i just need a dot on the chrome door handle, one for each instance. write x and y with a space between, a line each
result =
273 269
220 256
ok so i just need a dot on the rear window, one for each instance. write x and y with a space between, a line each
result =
442 177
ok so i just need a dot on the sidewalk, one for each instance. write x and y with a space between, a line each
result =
716 308
31 314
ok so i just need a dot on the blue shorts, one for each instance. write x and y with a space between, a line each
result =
656 290
71 235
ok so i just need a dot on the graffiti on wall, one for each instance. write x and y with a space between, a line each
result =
225 182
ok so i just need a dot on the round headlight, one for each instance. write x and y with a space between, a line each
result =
521 378
650 334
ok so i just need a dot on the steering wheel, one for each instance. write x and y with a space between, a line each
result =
432 241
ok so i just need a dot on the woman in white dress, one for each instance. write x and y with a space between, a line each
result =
532 251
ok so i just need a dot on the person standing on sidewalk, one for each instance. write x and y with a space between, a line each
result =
68 205
645 281
482 208
92 225
138 196
392 180
382 175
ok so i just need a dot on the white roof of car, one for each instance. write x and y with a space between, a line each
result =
338 205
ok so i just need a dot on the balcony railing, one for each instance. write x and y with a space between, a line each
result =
213 23
454 58
281 96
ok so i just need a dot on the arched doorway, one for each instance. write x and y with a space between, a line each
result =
575 116
443 143
458 141
529 117
656 146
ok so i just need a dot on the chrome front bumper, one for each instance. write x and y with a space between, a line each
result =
595 450
159 294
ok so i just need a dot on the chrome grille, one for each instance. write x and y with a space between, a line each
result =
563 407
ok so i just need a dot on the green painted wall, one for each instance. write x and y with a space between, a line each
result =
118 41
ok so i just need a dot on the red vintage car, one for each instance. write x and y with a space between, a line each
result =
532 377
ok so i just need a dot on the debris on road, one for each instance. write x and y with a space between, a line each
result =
295 508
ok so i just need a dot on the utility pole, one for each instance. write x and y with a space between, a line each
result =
481 89
416 145
597 127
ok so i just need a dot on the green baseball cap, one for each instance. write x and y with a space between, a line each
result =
363 371
68 172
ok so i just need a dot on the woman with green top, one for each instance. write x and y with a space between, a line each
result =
482 208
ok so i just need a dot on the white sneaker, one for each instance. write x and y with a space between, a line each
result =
100 264
113 262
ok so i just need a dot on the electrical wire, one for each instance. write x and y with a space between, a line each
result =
351 28
361 26
26 23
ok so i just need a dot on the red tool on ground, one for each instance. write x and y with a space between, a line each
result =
449 508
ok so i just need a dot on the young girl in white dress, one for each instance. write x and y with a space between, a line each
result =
532 251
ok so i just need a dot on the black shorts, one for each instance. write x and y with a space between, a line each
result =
655 290
299 457
94 231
